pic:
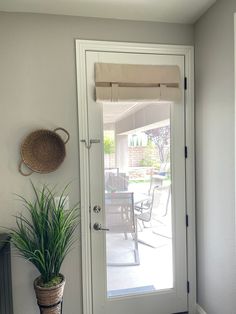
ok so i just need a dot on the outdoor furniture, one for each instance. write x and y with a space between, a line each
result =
156 179
120 219
140 198
116 182
146 208
114 171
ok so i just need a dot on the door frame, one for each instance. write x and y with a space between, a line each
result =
107 46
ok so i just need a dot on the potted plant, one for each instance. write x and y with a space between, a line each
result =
44 237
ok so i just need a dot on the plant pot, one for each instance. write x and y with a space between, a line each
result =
50 299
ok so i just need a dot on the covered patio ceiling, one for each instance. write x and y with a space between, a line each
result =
129 118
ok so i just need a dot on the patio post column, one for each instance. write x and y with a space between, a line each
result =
122 153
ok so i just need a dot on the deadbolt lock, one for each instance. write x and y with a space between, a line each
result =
97 209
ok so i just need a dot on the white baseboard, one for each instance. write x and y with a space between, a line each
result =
199 310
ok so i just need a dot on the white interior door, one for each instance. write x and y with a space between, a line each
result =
137 178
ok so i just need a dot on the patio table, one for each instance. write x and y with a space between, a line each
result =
138 197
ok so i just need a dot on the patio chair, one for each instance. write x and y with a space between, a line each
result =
117 182
145 210
114 171
120 219
156 179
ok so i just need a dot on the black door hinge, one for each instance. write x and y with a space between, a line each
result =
186 152
185 83
187 222
188 287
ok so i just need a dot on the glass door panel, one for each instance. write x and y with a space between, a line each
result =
137 176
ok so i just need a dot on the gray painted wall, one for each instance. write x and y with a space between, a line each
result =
215 160
38 89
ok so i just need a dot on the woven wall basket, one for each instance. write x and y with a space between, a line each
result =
43 151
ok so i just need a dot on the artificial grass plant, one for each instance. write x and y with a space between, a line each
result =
44 237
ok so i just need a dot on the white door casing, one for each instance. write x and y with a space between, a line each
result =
165 302
85 120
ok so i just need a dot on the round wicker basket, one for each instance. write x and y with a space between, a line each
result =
50 299
43 151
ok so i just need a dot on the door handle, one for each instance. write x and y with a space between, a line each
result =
98 227
92 141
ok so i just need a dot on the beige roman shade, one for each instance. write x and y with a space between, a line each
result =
131 82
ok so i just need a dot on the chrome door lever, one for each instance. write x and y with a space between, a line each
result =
98 227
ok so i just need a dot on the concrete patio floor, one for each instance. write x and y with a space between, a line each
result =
155 271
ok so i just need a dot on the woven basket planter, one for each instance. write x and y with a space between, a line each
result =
50 299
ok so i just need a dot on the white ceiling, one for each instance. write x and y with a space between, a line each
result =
176 11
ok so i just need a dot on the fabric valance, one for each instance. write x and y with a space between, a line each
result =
130 82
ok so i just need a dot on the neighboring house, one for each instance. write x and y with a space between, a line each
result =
38 88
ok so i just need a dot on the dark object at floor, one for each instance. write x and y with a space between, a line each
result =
6 306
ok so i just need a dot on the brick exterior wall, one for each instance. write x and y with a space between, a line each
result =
138 153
